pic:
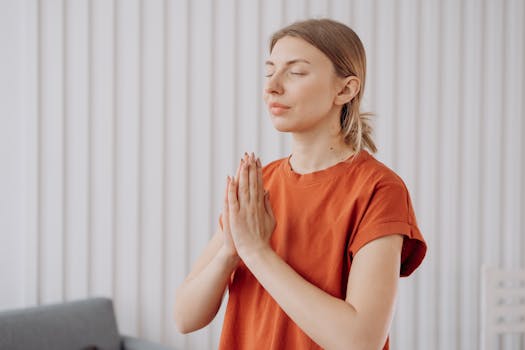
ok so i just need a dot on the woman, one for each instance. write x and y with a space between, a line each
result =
310 247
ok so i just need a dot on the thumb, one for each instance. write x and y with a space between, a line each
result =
226 208
267 204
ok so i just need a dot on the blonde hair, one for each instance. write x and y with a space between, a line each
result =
347 53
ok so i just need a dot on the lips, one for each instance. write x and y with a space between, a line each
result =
278 108
277 105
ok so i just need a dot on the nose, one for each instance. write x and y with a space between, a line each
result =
273 85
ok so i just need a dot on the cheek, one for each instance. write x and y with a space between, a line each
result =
316 98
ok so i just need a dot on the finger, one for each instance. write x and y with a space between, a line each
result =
225 208
268 205
233 202
244 160
260 186
226 189
243 184
228 180
238 170
253 183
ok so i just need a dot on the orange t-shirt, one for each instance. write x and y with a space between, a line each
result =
323 219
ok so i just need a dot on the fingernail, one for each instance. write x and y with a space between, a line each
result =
259 162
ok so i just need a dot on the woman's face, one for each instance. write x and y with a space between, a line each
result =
301 87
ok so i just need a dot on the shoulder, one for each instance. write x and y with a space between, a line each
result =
369 171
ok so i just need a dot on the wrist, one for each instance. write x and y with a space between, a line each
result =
230 259
250 256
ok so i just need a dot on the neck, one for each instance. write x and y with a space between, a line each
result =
312 152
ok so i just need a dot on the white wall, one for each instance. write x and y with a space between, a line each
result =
121 119
12 184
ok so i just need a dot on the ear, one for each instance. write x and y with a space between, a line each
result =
350 89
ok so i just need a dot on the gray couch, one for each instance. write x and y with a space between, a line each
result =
79 325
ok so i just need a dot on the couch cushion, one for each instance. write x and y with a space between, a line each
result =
77 325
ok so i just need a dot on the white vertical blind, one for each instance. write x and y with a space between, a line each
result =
135 111
425 195
127 138
471 156
78 118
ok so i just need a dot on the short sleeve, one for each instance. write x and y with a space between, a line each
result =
389 211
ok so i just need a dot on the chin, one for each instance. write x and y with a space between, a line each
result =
282 125
283 129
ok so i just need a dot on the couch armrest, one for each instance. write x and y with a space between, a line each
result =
132 343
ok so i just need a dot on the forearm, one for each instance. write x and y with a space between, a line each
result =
198 299
330 322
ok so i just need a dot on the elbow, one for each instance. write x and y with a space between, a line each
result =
181 328
185 325
181 325
191 314
182 321
184 318
361 341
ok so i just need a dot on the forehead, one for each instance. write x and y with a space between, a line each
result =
290 48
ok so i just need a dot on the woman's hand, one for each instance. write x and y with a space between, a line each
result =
228 245
250 216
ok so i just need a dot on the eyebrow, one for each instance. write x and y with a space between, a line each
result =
297 60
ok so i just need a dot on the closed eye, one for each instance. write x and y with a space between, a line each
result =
269 75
